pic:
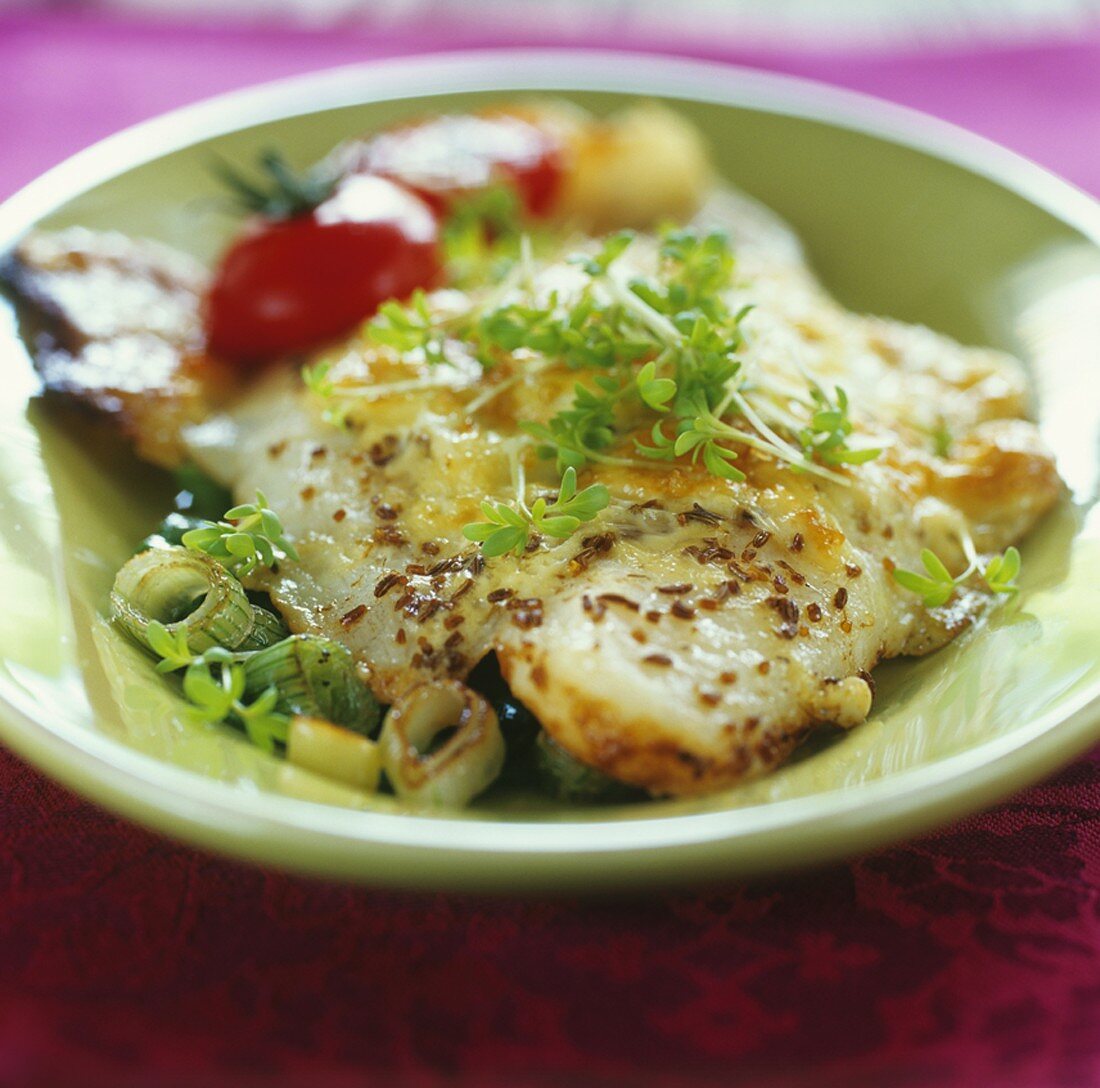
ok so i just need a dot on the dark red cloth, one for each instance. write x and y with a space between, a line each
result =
969 958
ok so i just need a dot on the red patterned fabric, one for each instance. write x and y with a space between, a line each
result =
969 958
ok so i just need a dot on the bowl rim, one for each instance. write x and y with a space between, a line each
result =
432 851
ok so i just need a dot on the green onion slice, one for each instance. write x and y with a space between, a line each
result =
183 590
267 630
316 677
458 770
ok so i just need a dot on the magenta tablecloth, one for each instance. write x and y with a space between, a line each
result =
970 958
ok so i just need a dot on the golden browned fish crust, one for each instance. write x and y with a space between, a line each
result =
117 329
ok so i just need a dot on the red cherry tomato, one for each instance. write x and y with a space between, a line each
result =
445 157
289 285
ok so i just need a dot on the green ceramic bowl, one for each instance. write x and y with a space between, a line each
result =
901 215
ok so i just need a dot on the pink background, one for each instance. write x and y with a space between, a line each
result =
969 958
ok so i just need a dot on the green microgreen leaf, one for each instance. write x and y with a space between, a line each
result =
934 593
582 505
215 683
937 585
317 379
935 566
409 327
612 249
1001 572
170 647
507 529
697 268
662 449
826 437
699 438
655 392
263 724
942 439
717 460
249 536
211 696
481 236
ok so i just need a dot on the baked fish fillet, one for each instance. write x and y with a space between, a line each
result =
692 634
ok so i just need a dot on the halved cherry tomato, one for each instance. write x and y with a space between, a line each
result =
443 158
289 285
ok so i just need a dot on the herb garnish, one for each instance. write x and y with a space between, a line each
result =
482 236
246 538
172 649
508 528
827 435
409 327
660 355
937 585
1001 573
214 683
217 696
942 439
317 379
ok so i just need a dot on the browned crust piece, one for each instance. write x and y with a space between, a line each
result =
116 327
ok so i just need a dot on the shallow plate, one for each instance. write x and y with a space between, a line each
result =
901 216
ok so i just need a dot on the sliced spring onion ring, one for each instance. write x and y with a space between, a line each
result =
267 630
316 677
463 766
330 750
185 591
